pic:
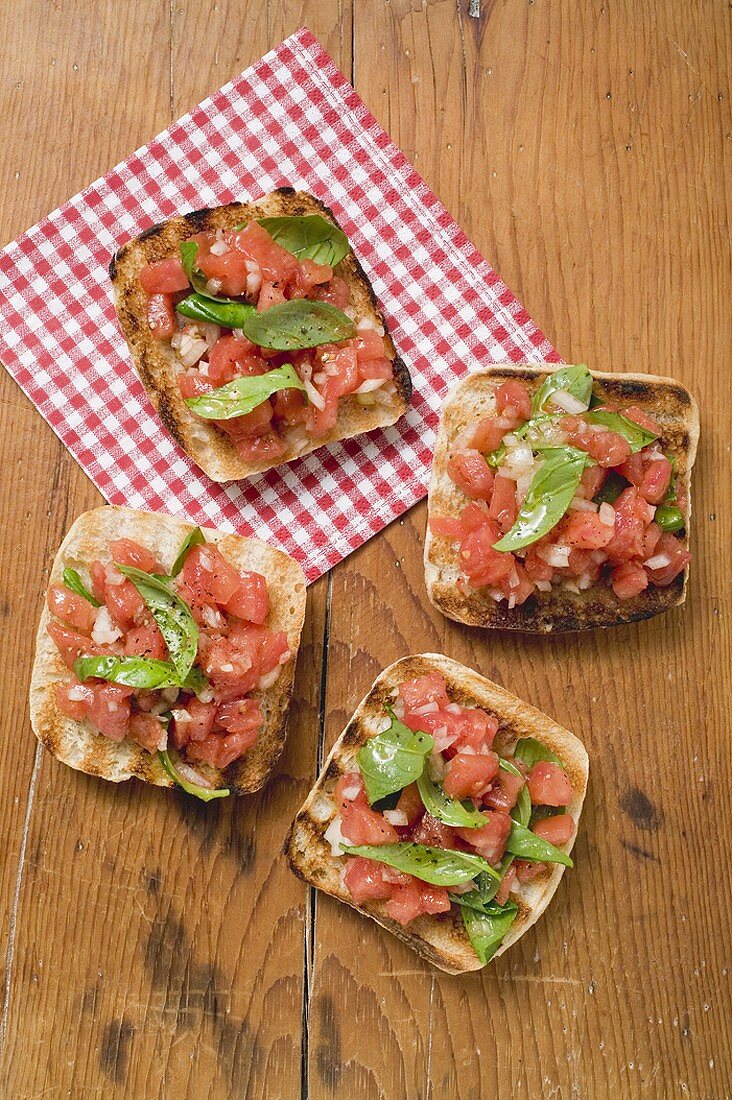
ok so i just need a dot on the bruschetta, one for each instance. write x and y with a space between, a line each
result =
167 652
446 812
560 499
257 333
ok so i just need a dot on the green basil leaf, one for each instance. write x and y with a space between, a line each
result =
204 793
637 437
195 538
199 282
670 497
240 397
487 929
215 311
141 673
393 759
611 488
669 518
173 616
73 581
460 815
309 236
434 865
548 498
524 844
521 812
529 750
485 890
298 324
575 380
388 802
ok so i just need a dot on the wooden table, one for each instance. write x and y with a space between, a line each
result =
159 948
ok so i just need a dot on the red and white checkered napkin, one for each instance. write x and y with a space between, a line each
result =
290 119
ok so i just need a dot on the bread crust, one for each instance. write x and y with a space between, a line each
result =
77 743
557 611
441 939
207 445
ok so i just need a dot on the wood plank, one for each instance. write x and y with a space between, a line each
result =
158 944
583 154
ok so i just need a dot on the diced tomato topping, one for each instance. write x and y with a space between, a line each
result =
656 480
488 435
73 610
71 645
470 775
627 540
146 640
586 531
148 732
527 870
336 292
364 881
258 449
606 447
161 316
476 730
514 395
109 710
632 468
557 830
219 751
489 840
415 898
126 605
679 556
446 527
472 474
290 407
194 722
307 276
503 507
129 552
74 699
505 791
483 564
423 691
209 575
360 824
231 357
194 384
548 784
241 716
592 481
274 261
628 579
251 599
410 803
507 884
369 345
433 833
164 277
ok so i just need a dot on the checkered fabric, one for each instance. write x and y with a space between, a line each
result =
290 119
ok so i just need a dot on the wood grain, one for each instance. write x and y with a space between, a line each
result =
160 949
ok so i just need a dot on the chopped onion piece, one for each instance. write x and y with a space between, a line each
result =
568 402
607 514
396 817
659 561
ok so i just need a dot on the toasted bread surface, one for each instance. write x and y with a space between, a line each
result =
206 444
666 400
440 939
77 743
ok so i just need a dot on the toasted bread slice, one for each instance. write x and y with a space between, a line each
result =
206 444
440 939
667 401
77 743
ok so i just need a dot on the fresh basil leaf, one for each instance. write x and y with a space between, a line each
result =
611 488
173 616
524 844
460 815
529 750
141 673
195 682
670 497
669 518
575 380
434 865
548 498
388 802
204 793
298 324
393 759
637 437
74 583
485 890
195 538
199 282
521 812
309 236
240 397
487 930
215 311
541 813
